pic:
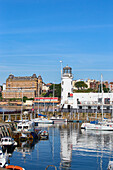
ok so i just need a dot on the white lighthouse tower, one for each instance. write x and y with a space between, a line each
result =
66 87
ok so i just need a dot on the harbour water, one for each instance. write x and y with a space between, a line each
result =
68 147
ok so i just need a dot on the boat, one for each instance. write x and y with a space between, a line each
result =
14 167
44 134
83 126
26 130
3 159
25 126
42 121
7 141
58 119
101 127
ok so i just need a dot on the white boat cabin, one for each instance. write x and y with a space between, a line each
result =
25 126
7 141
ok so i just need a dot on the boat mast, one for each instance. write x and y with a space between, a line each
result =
102 96
22 103
53 96
38 97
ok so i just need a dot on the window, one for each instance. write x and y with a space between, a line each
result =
25 127
99 100
19 127
107 100
62 82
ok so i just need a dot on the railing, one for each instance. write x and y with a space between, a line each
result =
93 103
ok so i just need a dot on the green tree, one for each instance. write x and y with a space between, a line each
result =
80 85
43 94
57 89
25 98
106 90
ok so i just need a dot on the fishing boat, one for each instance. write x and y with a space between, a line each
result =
25 126
7 141
44 135
13 167
26 130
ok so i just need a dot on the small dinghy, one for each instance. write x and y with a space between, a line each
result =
44 134
13 167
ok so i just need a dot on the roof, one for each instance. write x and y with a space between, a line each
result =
67 67
22 78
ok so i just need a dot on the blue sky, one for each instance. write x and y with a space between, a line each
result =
36 34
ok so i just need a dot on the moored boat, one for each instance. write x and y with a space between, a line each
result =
13 167
25 126
58 119
101 127
7 141
42 121
44 135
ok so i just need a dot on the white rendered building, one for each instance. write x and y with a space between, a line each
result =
70 100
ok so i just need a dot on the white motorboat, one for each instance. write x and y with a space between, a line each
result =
101 127
25 126
83 126
58 119
7 141
3 159
42 121
105 126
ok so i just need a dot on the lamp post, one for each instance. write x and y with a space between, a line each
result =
61 68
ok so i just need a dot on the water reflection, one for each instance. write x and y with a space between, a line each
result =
68 147
77 142
26 147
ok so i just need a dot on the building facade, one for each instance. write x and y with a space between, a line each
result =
18 87
92 102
